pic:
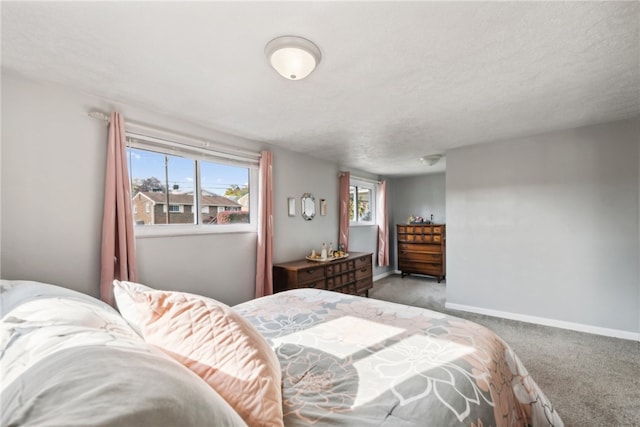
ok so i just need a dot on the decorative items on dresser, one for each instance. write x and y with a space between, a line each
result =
421 249
351 274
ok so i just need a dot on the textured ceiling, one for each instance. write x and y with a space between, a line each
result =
397 80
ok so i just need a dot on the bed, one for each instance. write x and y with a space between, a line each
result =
297 358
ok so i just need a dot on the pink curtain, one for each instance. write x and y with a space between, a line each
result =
264 262
343 237
383 226
118 243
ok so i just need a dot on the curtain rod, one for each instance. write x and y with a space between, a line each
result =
200 142
359 178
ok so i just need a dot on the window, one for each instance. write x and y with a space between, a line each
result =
362 198
186 186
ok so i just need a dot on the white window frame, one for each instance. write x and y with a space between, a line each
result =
198 154
373 187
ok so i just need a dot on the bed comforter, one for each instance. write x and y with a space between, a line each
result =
350 361
68 359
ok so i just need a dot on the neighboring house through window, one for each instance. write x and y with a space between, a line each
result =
183 185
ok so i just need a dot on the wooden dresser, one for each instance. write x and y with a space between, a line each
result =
350 275
421 249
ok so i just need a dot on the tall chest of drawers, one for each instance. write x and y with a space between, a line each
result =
350 275
421 249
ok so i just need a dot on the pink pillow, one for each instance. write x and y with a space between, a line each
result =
219 345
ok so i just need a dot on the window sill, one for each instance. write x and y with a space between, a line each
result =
362 224
147 231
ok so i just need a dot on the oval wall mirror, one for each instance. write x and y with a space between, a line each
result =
308 207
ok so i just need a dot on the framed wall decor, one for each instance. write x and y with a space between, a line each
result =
308 207
291 205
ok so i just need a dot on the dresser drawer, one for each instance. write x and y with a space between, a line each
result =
363 285
362 262
355 288
317 284
419 247
340 267
420 238
433 258
427 238
421 268
347 289
363 272
310 274
410 238
340 280
432 269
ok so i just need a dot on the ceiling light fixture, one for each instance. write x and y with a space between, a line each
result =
293 57
431 159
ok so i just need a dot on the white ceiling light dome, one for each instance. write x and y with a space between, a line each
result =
431 159
293 57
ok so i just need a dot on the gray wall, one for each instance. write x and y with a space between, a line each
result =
548 227
418 196
52 165
295 175
52 177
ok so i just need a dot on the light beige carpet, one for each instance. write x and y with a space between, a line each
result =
592 380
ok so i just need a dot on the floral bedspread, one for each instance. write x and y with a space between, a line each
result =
353 361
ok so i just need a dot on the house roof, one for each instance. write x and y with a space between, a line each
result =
187 199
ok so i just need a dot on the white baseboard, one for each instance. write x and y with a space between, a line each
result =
383 275
615 333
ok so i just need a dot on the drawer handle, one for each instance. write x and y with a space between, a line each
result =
363 269
311 271
313 285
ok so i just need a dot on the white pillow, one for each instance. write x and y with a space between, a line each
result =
123 292
73 362
15 292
